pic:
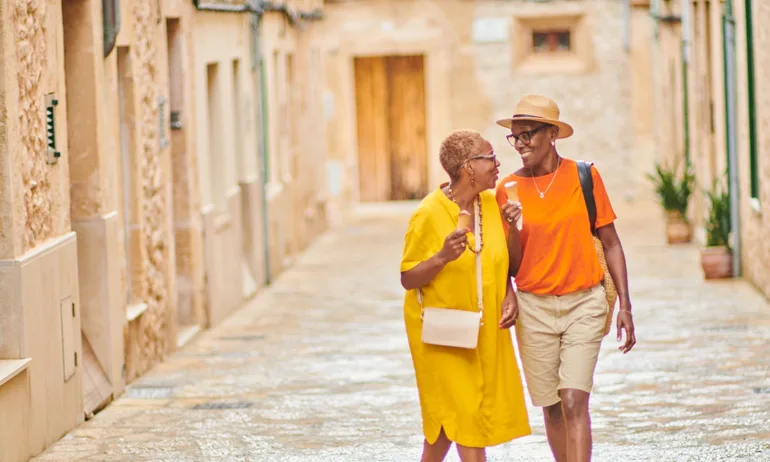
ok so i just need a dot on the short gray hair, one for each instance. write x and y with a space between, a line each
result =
457 148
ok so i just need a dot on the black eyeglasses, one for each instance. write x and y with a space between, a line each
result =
525 137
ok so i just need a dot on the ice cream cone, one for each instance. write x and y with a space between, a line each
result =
464 220
512 188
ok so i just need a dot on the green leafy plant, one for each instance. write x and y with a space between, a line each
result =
673 189
718 224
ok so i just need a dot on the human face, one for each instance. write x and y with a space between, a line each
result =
484 165
533 141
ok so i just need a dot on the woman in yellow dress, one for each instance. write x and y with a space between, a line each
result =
472 397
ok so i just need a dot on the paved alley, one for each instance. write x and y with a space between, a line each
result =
317 368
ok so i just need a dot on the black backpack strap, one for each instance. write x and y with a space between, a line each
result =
587 185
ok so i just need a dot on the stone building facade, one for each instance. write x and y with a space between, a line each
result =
40 311
696 83
476 59
134 138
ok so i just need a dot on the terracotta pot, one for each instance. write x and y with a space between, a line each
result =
678 231
717 262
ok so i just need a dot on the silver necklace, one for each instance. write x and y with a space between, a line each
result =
542 193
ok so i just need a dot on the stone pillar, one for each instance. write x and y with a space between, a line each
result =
39 308
642 107
93 193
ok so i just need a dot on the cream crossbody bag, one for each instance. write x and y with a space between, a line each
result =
451 327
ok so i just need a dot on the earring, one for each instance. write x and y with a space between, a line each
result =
473 178
553 143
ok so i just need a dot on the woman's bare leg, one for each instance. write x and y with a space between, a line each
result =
436 452
472 454
556 431
575 407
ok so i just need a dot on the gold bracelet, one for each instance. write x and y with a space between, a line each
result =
627 311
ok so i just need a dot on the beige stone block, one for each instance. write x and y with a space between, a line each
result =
45 278
11 315
277 226
15 408
223 255
101 293
137 279
253 216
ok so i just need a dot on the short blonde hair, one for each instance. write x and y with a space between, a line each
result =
457 148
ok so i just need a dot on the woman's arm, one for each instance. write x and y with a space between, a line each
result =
510 307
511 213
424 272
514 250
616 263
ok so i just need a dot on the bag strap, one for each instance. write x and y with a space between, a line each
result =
479 281
587 185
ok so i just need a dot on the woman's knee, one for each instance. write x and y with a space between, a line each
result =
574 403
553 413
469 454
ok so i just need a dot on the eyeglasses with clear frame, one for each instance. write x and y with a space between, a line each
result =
492 157
525 137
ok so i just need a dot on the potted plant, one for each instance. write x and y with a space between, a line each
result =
674 192
716 257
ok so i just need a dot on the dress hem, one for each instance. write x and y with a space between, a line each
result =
517 431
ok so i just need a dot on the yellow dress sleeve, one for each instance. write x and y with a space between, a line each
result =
421 241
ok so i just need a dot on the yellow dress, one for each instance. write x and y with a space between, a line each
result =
475 395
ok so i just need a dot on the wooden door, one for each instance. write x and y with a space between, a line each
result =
390 108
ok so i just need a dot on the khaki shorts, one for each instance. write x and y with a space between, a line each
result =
559 338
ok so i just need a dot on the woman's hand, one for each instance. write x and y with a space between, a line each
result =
454 246
510 310
511 212
626 321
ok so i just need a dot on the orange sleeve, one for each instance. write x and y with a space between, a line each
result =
604 212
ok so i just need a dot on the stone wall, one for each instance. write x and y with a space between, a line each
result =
149 339
39 301
708 139
755 214
45 205
479 47
596 101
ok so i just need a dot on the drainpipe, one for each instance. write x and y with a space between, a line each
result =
627 25
110 24
685 14
258 67
728 35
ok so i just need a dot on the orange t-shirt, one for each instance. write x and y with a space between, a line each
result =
558 254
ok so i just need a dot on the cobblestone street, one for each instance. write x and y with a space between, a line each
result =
317 368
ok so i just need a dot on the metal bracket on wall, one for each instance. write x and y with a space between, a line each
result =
667 19
176 120
52 155
162 122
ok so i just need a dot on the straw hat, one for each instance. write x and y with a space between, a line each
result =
538 108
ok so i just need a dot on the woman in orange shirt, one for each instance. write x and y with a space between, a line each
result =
562 303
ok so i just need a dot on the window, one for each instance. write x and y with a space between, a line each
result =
550 41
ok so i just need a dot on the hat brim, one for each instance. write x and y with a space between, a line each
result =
565 129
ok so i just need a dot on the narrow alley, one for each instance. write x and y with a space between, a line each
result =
317 368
